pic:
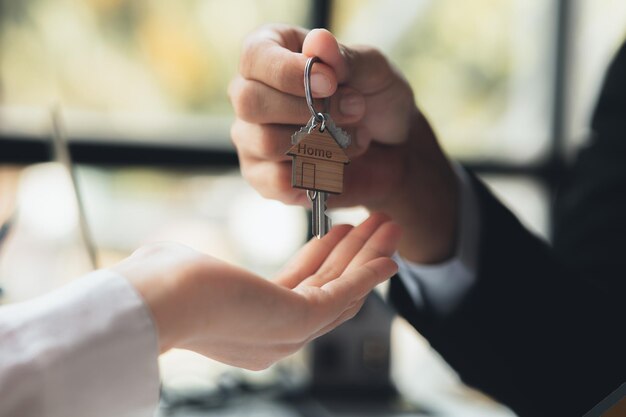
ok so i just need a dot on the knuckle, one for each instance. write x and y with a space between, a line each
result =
376 55
259 141
247 60
262 185
270 180
267 144
278 71
278 186
236 132
381 70
246 64
233 88
280 178
234 91
248 174
267 30
254 44
244 135
245 100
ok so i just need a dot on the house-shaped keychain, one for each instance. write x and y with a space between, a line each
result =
318 163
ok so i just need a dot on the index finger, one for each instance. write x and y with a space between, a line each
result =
272 56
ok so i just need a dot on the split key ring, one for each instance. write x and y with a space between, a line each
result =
318 116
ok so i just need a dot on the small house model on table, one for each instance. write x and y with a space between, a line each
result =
318 163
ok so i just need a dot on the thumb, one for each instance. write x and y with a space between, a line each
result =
363 68
369 87
322 44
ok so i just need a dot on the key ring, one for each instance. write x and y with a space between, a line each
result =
318 116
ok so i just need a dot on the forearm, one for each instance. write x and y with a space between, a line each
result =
86 349
527 332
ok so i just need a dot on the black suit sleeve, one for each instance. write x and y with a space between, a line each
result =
542 329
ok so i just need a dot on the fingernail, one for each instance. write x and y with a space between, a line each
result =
352 105
320 84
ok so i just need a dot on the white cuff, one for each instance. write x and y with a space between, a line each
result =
87 349
444 285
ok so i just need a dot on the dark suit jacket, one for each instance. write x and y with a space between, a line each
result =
543 328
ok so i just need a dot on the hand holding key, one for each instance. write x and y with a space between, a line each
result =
396 165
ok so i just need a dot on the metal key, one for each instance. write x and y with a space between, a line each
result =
320 222
318 159
340 136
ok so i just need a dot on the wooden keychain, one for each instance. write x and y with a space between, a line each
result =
318 158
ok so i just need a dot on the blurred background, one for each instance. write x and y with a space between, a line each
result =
139 92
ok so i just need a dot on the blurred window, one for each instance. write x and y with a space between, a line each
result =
527 198
147 69
213 211
598 29
485 73
481 70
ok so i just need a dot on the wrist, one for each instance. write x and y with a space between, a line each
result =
159 292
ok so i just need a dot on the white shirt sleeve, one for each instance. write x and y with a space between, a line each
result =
444 285
87 349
